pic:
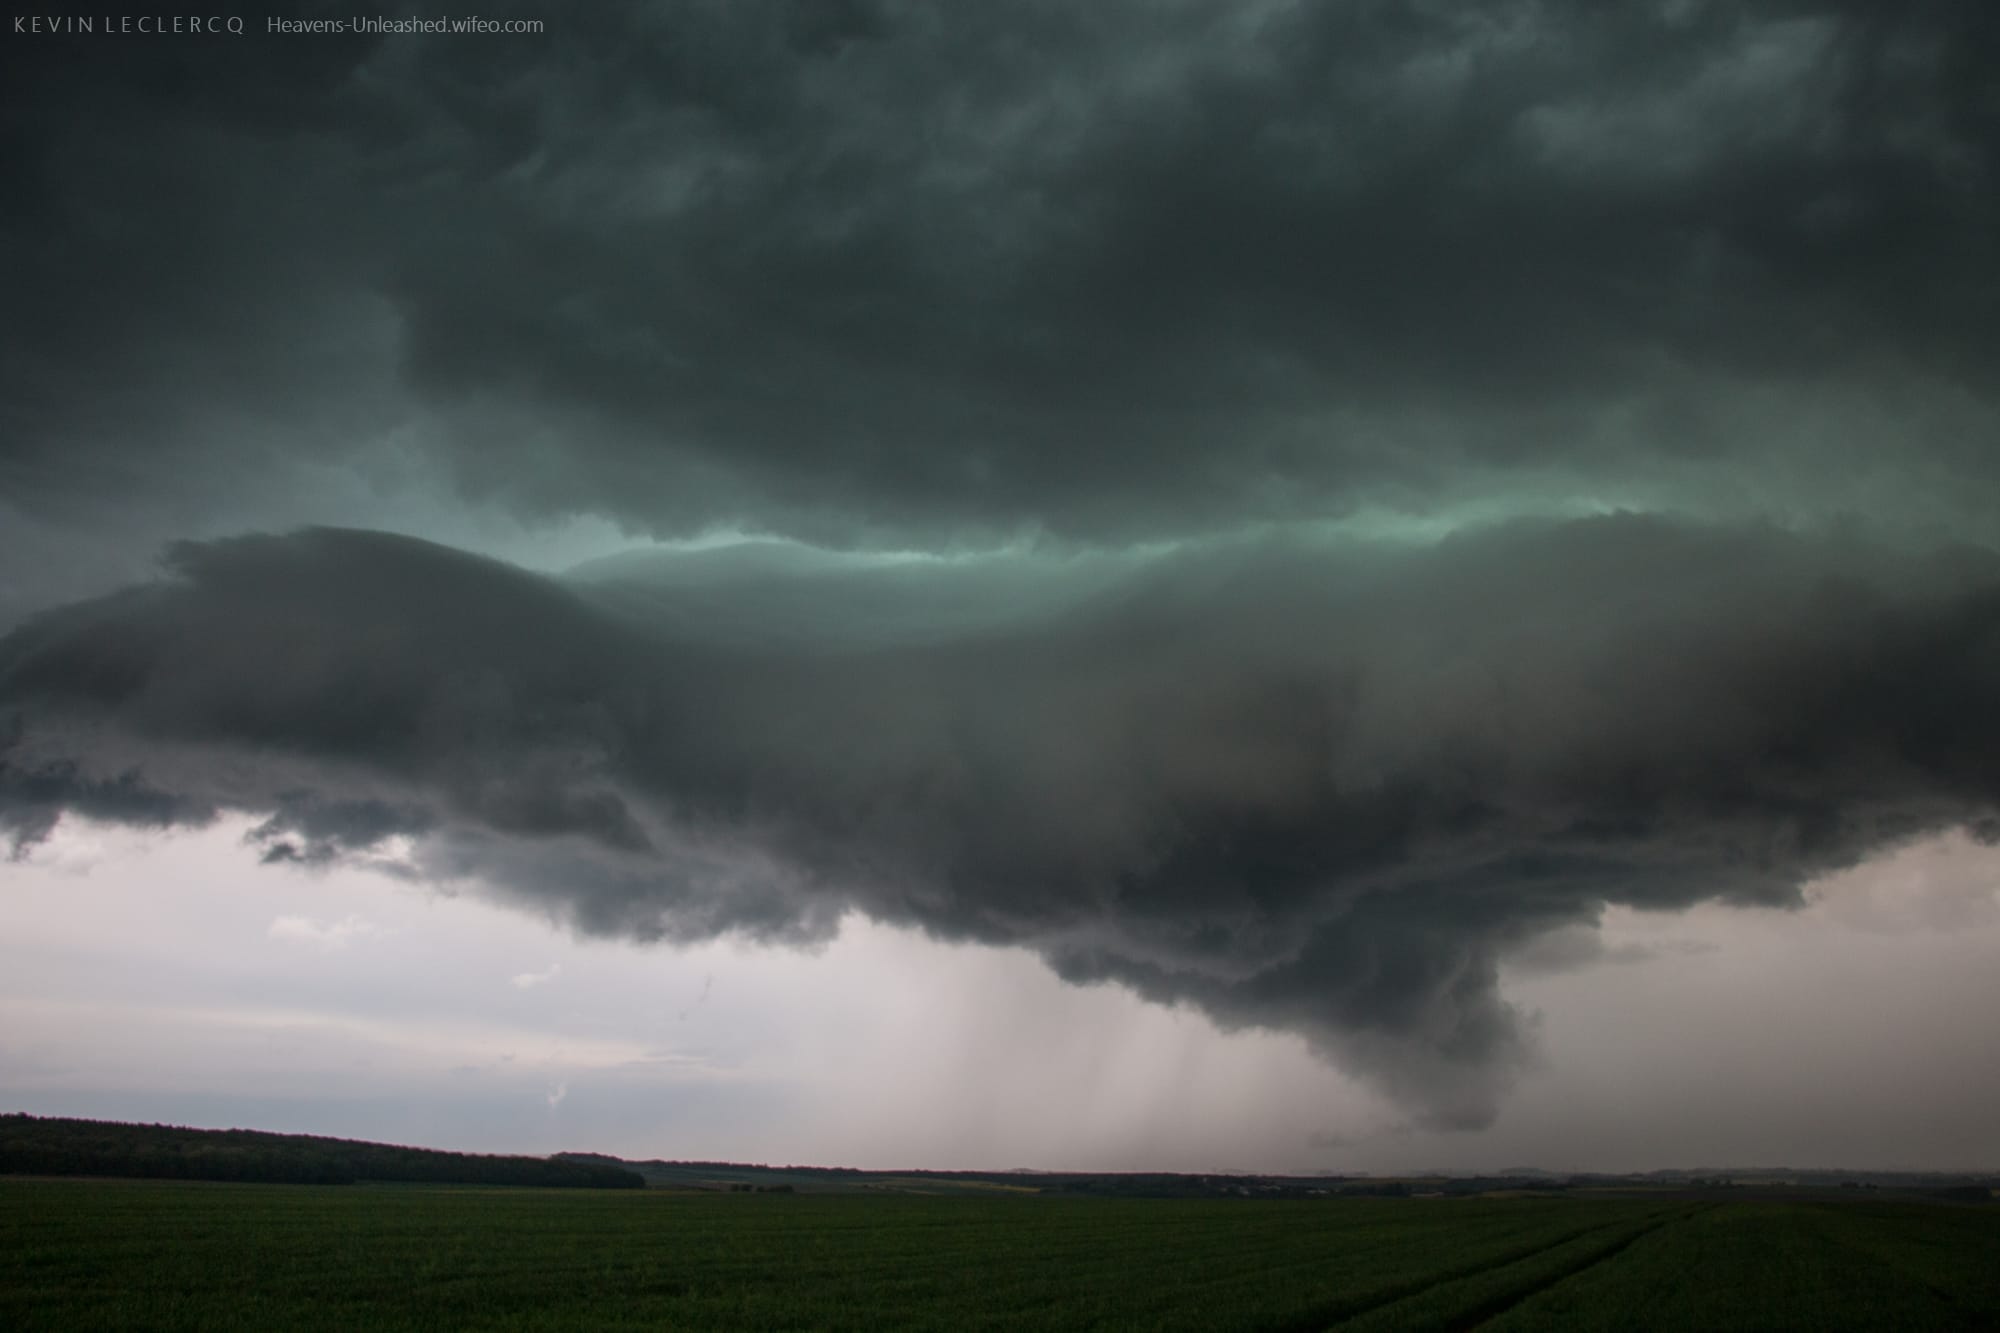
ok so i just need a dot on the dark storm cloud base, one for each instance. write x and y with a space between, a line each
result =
1125 290
1314 785
879 273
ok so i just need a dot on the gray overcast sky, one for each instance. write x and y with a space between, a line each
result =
1134 584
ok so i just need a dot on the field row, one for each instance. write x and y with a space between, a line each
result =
186 1255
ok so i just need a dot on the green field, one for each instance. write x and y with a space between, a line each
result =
195 1255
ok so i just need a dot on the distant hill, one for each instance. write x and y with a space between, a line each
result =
46 1146
31 1145
743 1177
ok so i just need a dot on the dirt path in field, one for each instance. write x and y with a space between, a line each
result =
1493 1310
1332 1314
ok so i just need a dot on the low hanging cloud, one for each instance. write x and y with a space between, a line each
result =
1311 783
326 936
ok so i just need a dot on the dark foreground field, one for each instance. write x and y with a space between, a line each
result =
167 1255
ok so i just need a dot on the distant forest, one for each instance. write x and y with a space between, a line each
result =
31 1145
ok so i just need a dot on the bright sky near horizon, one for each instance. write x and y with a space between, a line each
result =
175 980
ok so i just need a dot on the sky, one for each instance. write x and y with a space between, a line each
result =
1189 586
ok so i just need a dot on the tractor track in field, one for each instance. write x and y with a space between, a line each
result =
1492 1310
1331 1314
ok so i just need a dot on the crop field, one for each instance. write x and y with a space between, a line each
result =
194 1255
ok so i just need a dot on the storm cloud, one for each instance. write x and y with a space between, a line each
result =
1320 786
874 274
1279 507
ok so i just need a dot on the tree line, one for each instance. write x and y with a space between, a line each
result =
49 1146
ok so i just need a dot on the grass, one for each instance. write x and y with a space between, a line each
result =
1776 1265
187 1255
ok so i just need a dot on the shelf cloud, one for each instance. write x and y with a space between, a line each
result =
1323 787
1278 507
